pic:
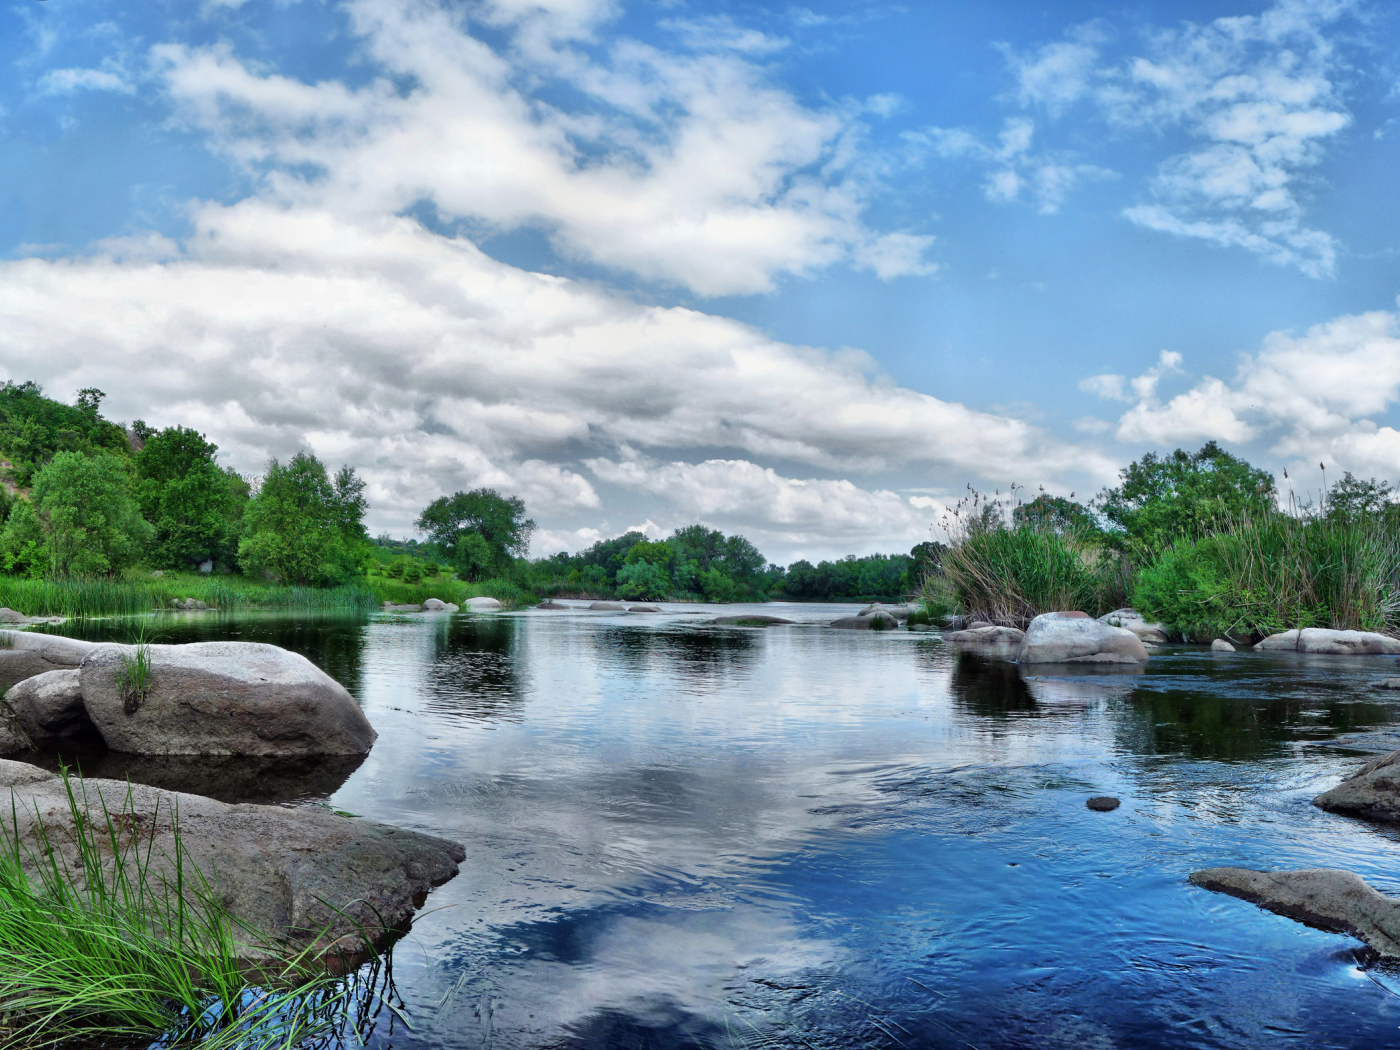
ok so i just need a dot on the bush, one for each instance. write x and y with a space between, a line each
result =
643 579
1273 572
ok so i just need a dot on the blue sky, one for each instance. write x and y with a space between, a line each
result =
798 271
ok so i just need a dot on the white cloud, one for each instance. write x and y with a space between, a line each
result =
722 33
1257 93
71 81
1309 398
1109 387
687 169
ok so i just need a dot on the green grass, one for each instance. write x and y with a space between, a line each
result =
1275 572
448 589
137 594
1009 574
124 945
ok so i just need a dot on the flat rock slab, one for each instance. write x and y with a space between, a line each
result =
283 871
1065 638
987 637
223 698
49 707
1326 898
1373 792
644 608
608 607
750 621
391 607
1332 643
24 655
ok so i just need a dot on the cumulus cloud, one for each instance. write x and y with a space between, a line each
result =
1309 397
1258 96
71 81
690 168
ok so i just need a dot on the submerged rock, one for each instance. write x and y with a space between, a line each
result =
484 605
1329 642
1103 803
1220 645
222 698
608 607
750 621
644 608
24 655
1132 620
438 605
392 607
303 876
49 707
1372 792
548 604
1327 898
1062 638
879 620
8 615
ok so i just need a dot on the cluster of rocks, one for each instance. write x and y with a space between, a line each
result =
876 617
206 698
438 605
1054 638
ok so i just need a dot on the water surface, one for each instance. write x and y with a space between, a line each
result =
681 835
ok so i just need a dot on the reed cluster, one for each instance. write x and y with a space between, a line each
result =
102 942
135 596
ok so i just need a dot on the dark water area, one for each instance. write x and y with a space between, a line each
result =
681 835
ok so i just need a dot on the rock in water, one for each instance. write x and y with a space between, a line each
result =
283 871
1132 620
1103 803
8 615
49 707
1060 638
1327 898
550 604
1220 645
24 655
752 620
1334 643
643 608
438 605
1373 792
1386 683
1002 643
608 607
223 698
899 612
484 605
870 621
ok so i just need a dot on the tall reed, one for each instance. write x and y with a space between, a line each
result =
121 944
131 597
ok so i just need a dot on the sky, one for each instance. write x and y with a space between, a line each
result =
803 272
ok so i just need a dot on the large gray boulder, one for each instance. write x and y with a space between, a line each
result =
1326 641
876 620
303 876
1372 792
608 607
484 605
993 642
1067 638
899 612
1220 645
223 698
23 655
438 605
1327 898
49 707
1132 620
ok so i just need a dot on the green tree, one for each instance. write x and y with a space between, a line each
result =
1353 497
499 520
35 428
643 579
193 505
472 556
1182 495
81 512
302 527
651 553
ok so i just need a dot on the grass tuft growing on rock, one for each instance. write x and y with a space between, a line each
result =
98 943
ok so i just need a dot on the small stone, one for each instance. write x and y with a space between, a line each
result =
1103 803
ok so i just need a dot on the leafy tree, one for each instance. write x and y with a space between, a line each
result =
302 527
35 428
643 579
193 505
499 520
1182 495
473 556
651 553
80 513
1056 513
1352 497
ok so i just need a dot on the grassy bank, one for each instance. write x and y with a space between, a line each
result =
448 589
134 595
112 949
1009 574
1260 575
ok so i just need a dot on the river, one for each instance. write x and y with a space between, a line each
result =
683 835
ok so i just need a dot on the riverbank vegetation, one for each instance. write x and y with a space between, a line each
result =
100 943
1197 541
97 518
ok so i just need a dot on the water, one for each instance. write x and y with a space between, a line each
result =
687 836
